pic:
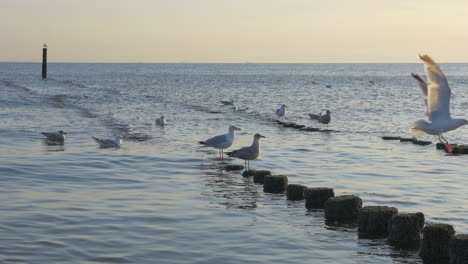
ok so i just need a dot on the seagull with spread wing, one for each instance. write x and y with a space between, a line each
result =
436 94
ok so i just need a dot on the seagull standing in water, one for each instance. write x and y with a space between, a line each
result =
230 102
248 153
109 143
222 141
239 110
324 119
281 111
436 95
55 136
161 121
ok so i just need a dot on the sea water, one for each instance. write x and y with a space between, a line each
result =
162 198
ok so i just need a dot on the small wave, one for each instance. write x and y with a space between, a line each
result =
15 85
58 100
75 83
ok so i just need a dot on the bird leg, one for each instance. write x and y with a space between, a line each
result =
442 139
448 147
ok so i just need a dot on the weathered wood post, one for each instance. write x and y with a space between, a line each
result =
316 197
373 220
435 243
405 229
44 61
342 208
295 192
458 249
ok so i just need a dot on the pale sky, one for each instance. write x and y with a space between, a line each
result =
234 31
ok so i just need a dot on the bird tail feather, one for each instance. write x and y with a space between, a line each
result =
314 117
96 139
202 142
419 127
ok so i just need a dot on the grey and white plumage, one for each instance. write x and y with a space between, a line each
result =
436 94
55 136
322 118
161 121
230 102
248 153
109 143
222 141
423 85
281 111
239 110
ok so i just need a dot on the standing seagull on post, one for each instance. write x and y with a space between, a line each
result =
248 153
222 141
281 111
436 95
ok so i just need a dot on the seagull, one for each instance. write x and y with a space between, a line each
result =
248 153
281 111
324 119
436 95
239 110
161 121
222 141
55 136
230 102
109 143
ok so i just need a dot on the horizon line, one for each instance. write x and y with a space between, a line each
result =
228 62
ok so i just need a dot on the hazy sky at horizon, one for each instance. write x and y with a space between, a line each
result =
264 31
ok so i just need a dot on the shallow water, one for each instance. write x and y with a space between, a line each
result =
163 198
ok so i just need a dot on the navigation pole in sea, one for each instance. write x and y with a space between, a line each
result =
44 61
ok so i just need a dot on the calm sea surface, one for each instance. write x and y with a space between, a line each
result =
162 198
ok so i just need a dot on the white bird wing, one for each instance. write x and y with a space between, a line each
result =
438 91
217 140
423 85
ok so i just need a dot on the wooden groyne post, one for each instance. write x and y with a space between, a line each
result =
44 61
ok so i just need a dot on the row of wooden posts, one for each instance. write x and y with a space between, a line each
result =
437 242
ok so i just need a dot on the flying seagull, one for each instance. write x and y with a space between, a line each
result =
436 95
